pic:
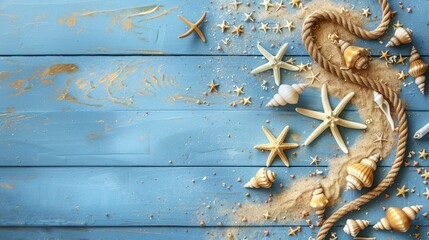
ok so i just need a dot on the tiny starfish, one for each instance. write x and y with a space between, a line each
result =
236 4
246 101
425 175
277 28
302 67
289 25
401 60
266 215
397 25
223 26
194 27
275 63
279 5
249 17
334 38
295 3
423 154
426 193
238 29
402 191
313 76
267 4
315 160
264 27
330 119
380 139
366 12
385 55
276 146
292 232
401 75
239 90
212 86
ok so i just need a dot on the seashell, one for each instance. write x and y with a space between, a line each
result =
384 107
264 179
319 200
398 219
288 94
401 36
422 132
355 57
361 174
353 227
418 69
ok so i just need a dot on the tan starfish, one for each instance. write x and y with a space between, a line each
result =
266 215
315 160
401 75
426 193
267 4
239 90
194 27
380 139
236 4
302 67
238 29
264 27
277 28
292 232
249 17
212 86
279 5
385 55
223 26
313 76
402 191
366 12
275 63
425 175
289 25
295 3
330 119
276 146
246 101
397 25
423 154
401 60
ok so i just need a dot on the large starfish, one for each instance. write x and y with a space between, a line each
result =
275 63
194 27
330 119
276 146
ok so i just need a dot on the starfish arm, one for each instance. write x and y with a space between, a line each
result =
350 124
269 135
185 21
201 19
288 145
266 54
282 136
265 147
283 157
343 103
281 52
319 130
288 66
198 31
311 113
261 68
271 158
277 76
187 33
339 139
325 100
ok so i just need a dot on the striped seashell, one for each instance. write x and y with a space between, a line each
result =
353 227
361 174
401 36
398 219
287 94
319 201
418 69
264 179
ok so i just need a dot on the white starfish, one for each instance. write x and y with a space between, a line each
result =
274 63
331 119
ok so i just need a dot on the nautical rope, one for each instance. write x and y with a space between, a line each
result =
308 27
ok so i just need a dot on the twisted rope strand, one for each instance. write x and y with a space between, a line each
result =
308 27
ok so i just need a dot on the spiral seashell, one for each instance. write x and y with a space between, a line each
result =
384 107
418 69
398 219
355 57
353 227
264 179
288 94
361 174
401 36
319 200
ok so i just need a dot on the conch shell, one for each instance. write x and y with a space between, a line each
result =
287 95
355 57
422 132
264 179
353 227
401 36
384 107
319 201
361 174
417 69
398 219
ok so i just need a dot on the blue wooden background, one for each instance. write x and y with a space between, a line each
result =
101 135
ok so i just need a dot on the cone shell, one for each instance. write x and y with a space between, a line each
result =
264 179
418 69
319 200
287 94
355 57
353 227
398 219
362 174
401 36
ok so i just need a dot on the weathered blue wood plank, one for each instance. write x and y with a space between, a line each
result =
152 83
138 233
159 196
108 27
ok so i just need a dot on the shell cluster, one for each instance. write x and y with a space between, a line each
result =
401 36
384 107
398 219
361 174
355 57
418 69
287 94
264 178
319 201
353 227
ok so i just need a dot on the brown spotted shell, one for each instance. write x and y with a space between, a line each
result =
355 57
264 178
